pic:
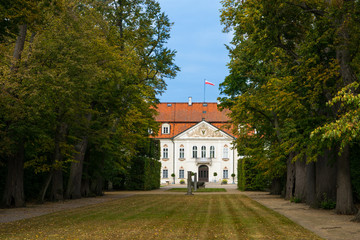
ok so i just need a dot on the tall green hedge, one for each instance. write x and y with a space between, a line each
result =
144 171
249 176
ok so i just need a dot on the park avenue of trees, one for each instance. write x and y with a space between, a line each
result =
294 78
78 80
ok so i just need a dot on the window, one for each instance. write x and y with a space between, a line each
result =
226 152
165 128
225 174
165 152
181 173
165 173
194 151
182 152
212 152
203 152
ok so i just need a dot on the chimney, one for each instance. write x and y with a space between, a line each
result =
190 101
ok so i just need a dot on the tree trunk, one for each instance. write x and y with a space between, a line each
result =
14 189
74 185
300 180
73 190
276 186
344 197
97 186
57 190
97 181
43 191
310 176
325 177
290 178
19 46
85 182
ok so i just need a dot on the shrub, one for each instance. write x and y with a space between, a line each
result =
224 181
295 200
215 174
182 181
327 203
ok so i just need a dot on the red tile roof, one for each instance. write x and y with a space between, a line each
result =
182 116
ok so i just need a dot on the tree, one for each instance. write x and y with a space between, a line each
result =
84 94
289 59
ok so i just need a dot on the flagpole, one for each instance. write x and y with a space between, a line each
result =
204 89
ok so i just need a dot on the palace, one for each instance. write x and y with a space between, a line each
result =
193 138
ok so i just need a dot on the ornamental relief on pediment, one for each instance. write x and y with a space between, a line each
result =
204 131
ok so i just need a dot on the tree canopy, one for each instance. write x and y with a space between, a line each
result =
79 81
293 79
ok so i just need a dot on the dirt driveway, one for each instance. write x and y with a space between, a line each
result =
324 223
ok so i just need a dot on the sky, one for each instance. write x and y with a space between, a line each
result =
201 53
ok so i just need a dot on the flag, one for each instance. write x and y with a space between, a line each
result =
210 83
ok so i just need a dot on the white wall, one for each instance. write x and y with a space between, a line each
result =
189 164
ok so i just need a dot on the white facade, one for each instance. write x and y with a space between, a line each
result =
214 153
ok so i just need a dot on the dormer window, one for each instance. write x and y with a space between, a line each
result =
165 128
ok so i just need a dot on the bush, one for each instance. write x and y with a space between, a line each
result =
327 203
182 181
295 200
224 181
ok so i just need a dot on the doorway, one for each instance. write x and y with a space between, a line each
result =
203 174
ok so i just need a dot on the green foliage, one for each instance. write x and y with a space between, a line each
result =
241 174
295 200
250 176
144 170
355 171
89 70
182 181
224 181
327 203
288 89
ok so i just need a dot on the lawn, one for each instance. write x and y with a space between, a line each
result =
198 190
167 216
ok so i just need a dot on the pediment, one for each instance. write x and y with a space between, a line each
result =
203 130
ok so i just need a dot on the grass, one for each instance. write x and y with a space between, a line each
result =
170 216
198 190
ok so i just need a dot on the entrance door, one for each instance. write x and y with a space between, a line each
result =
203 174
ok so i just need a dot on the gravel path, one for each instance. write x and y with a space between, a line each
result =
325 223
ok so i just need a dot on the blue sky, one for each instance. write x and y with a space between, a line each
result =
201 54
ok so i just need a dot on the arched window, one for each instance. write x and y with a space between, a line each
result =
194 155
226 152
212 152
203 152
165 128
